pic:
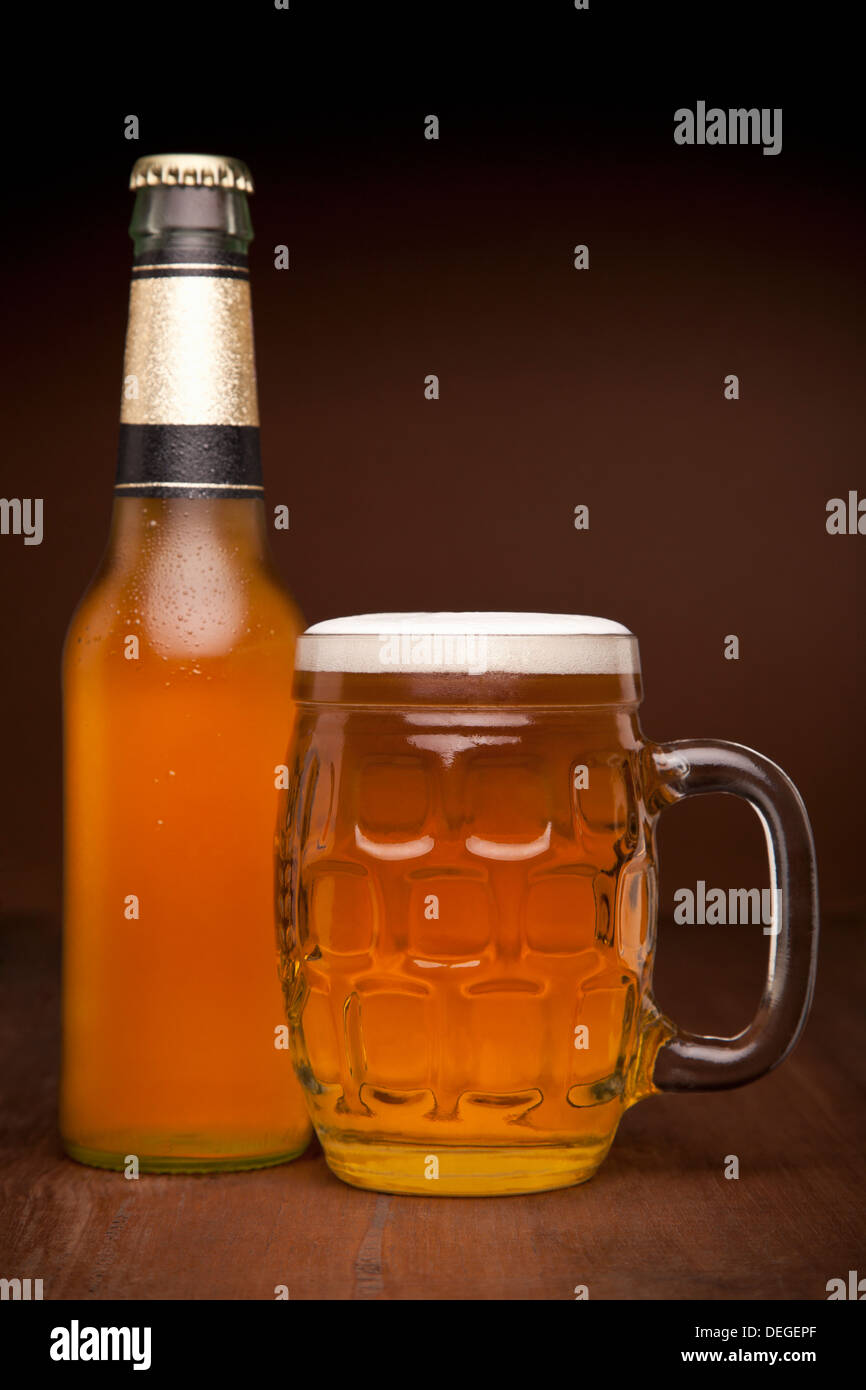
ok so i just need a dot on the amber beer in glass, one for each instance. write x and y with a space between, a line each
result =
176 674
468 899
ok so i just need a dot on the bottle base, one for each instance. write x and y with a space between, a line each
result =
451 1171
179 1163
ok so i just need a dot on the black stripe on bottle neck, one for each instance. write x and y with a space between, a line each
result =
170 272
189 251
189 461
187 260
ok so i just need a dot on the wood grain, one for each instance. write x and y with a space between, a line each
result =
659 1221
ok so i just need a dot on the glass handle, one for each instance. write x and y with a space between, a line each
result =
689 1061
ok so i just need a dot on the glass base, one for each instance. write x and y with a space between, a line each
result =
452 1171
180 1163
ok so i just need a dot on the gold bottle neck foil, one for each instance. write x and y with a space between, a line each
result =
189 348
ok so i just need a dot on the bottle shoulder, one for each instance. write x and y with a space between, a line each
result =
181 609
185 577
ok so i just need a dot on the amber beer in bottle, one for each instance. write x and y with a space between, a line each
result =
177 713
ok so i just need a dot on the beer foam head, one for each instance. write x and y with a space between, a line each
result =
470 644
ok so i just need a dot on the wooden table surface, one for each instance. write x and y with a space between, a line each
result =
658 1221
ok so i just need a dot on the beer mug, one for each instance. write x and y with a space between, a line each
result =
467 899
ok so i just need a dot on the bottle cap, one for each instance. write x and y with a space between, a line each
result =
191 170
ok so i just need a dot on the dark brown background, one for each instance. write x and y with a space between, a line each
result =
558 387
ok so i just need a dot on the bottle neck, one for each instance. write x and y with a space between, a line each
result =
189 425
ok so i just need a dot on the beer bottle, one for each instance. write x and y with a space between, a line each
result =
177 675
